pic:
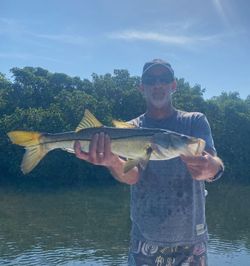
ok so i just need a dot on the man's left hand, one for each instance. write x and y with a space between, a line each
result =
203 167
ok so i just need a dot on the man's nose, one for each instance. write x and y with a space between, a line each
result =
158 83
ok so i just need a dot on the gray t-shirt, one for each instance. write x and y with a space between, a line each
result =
167 204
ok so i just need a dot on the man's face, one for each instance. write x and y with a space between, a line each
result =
157 87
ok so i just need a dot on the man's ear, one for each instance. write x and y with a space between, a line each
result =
174 85
141 88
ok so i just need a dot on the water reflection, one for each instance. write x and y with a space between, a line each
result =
228 213
90 226
64 225
228 218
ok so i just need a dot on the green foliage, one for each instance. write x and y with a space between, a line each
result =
5 89
54 102
189 98
229 116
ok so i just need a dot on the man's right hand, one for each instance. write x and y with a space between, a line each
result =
100 154
99 151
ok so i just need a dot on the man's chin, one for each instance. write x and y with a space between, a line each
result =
159 104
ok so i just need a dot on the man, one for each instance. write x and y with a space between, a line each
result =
168 197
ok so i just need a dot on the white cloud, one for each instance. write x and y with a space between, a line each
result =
63 38
133 35
220 9
14 28
10 26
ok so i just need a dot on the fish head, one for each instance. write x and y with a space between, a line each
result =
170 144
196 145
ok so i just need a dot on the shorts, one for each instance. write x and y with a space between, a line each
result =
143 254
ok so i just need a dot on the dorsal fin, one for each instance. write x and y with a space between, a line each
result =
88 121
122 124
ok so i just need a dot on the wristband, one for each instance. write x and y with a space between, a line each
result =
217 175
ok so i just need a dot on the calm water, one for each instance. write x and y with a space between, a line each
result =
90 226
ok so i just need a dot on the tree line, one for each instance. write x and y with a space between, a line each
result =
36 99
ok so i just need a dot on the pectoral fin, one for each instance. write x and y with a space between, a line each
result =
142 162
130 164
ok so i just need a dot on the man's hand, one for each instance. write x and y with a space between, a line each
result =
99 151
203 167
100 154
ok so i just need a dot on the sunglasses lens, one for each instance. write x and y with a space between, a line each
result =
151 80
165 79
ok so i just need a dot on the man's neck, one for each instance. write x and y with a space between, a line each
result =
160 113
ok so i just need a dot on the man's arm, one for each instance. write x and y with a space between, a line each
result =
204 167
100 154
116 169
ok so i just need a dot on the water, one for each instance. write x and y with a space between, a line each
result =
90 226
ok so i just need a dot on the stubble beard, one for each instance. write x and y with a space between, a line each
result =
158 100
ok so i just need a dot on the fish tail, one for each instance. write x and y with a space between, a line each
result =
35 150
25 138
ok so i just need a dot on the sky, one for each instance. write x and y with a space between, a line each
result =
207 42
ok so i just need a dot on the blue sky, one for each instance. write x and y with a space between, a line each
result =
207 42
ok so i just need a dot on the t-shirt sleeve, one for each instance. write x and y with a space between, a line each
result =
201 129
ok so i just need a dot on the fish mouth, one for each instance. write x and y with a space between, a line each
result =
200 147
197 146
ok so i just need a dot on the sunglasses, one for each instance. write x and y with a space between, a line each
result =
152 80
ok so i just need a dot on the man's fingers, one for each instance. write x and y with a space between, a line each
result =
107 145
100 144
79 153
193 160
99 150
93 148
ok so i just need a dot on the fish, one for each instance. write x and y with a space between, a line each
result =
137 145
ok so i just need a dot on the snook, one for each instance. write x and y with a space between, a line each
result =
139 145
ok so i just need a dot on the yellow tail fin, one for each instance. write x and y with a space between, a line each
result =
24 138
32 157
35 150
